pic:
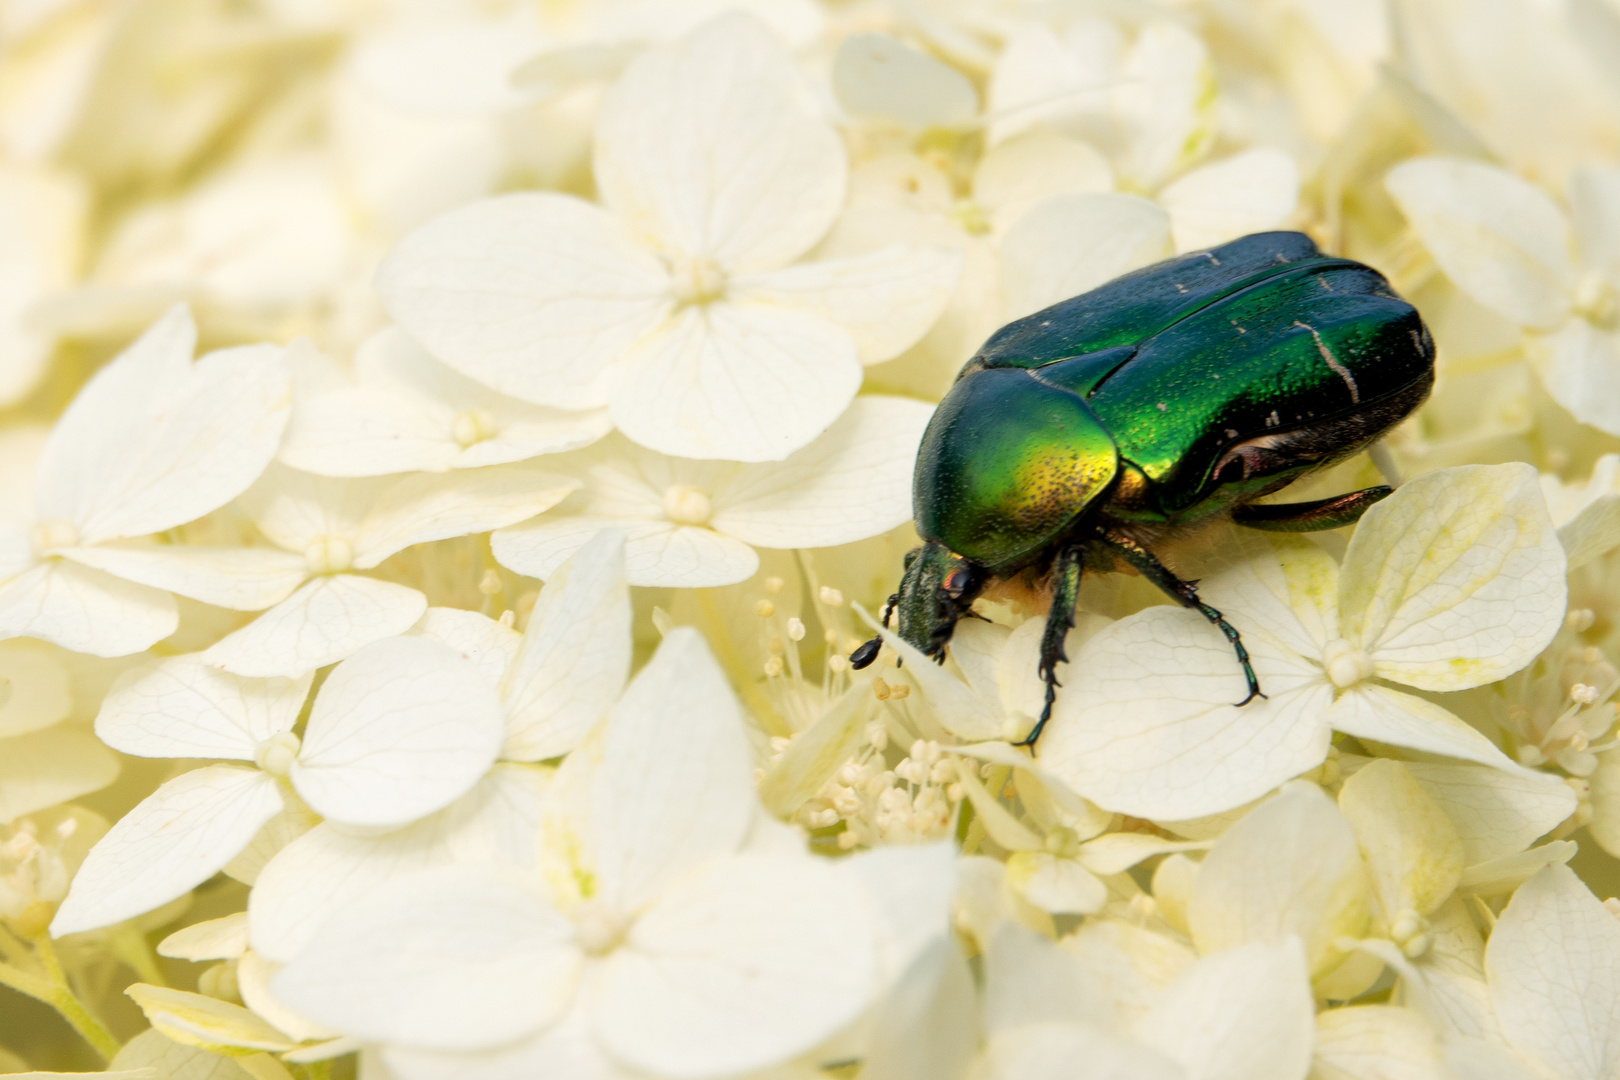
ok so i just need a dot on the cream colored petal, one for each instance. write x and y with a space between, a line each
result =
1246 193
1500 239
1496 812
85 610
1413 853
1580 367
420 508
1388 716
225 938
181 707
1026 169
1456 580
1070 244
1288 589
1594 531
1147 724
48 767
531 294
1376 1040
1057 886
481 639
323 622
242 579
656 553
1290 869
741 382
37 677
713 148
879 77
1594 206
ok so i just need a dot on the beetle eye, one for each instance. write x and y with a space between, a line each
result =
956 582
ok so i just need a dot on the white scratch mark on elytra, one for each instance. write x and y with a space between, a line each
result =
1333 362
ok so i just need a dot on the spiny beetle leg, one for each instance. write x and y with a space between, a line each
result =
1186 594
1059 621
1331 513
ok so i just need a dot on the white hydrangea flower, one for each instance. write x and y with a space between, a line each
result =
1587 514
1507 244
555 681
1454 581
657 940
399 730
403 411
695 523
41 244
677 306
44 759
327 528
152 442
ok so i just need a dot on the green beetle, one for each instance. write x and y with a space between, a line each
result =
1176 394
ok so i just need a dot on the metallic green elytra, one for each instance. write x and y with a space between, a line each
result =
1168 397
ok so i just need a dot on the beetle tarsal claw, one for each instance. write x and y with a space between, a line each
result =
866 653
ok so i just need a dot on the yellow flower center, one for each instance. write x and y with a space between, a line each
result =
686 505
53 534
472 426
598 928
329 555
697 281
1598 302
1346 665
276 754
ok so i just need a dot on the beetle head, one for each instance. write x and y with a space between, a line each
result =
938 587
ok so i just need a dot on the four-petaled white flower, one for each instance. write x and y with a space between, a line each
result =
677 307
1454 581
399 730
672 931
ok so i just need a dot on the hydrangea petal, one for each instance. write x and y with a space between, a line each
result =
1288 589
38 679
1376 1040
174 840
85 610
1580 367
1553 962
754 961
1048 1051
566 1048
490 645
1149 726
575 656
44 768
885 300
674 783
1246 193
422 507
1388 716
1594 207
243 579
1455 580
1412 851
1289 869
531 294
713 148
656 553
1070 244
450 959
182 707
323 622
853 482
1500 239
402 728
1495 812
1025 170
879 77
742 382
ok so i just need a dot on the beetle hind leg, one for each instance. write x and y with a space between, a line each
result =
1059 621
1332 513
1184 593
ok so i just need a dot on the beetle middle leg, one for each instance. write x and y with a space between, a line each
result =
1184 593
1332 513
1059 621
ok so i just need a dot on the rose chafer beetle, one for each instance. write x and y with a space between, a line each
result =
1175 395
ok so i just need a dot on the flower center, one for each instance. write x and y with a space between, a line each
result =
598 928
1597 301
1346 665
697 281
971 217
53 534
329 555
276 754
686 505
472 426
1411 932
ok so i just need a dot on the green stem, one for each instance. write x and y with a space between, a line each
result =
52 988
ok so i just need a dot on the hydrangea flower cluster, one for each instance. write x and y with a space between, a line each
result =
450 451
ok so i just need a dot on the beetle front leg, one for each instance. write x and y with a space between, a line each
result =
1059 621
1184 593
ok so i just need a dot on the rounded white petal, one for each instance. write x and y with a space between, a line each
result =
565 1049
327 868
323 622
713 148
1377 1040
1594 206
1456 580
422 507
673 786
1020 173
853 482
1289 869
85 610
1288 589
1495 812
449 959
879 77
1070 244
225 938
1148 725
750 963
43 768
1369 711
122 465
1580 367
1553 962
742 382
885 300
532 294
42 217
182 707
1049 1051
1245 193
1238 1015
1412 851
490 645
656 553
1501 240
402 728
243 579
449 65
575 655
40 694
177 838
1164 100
